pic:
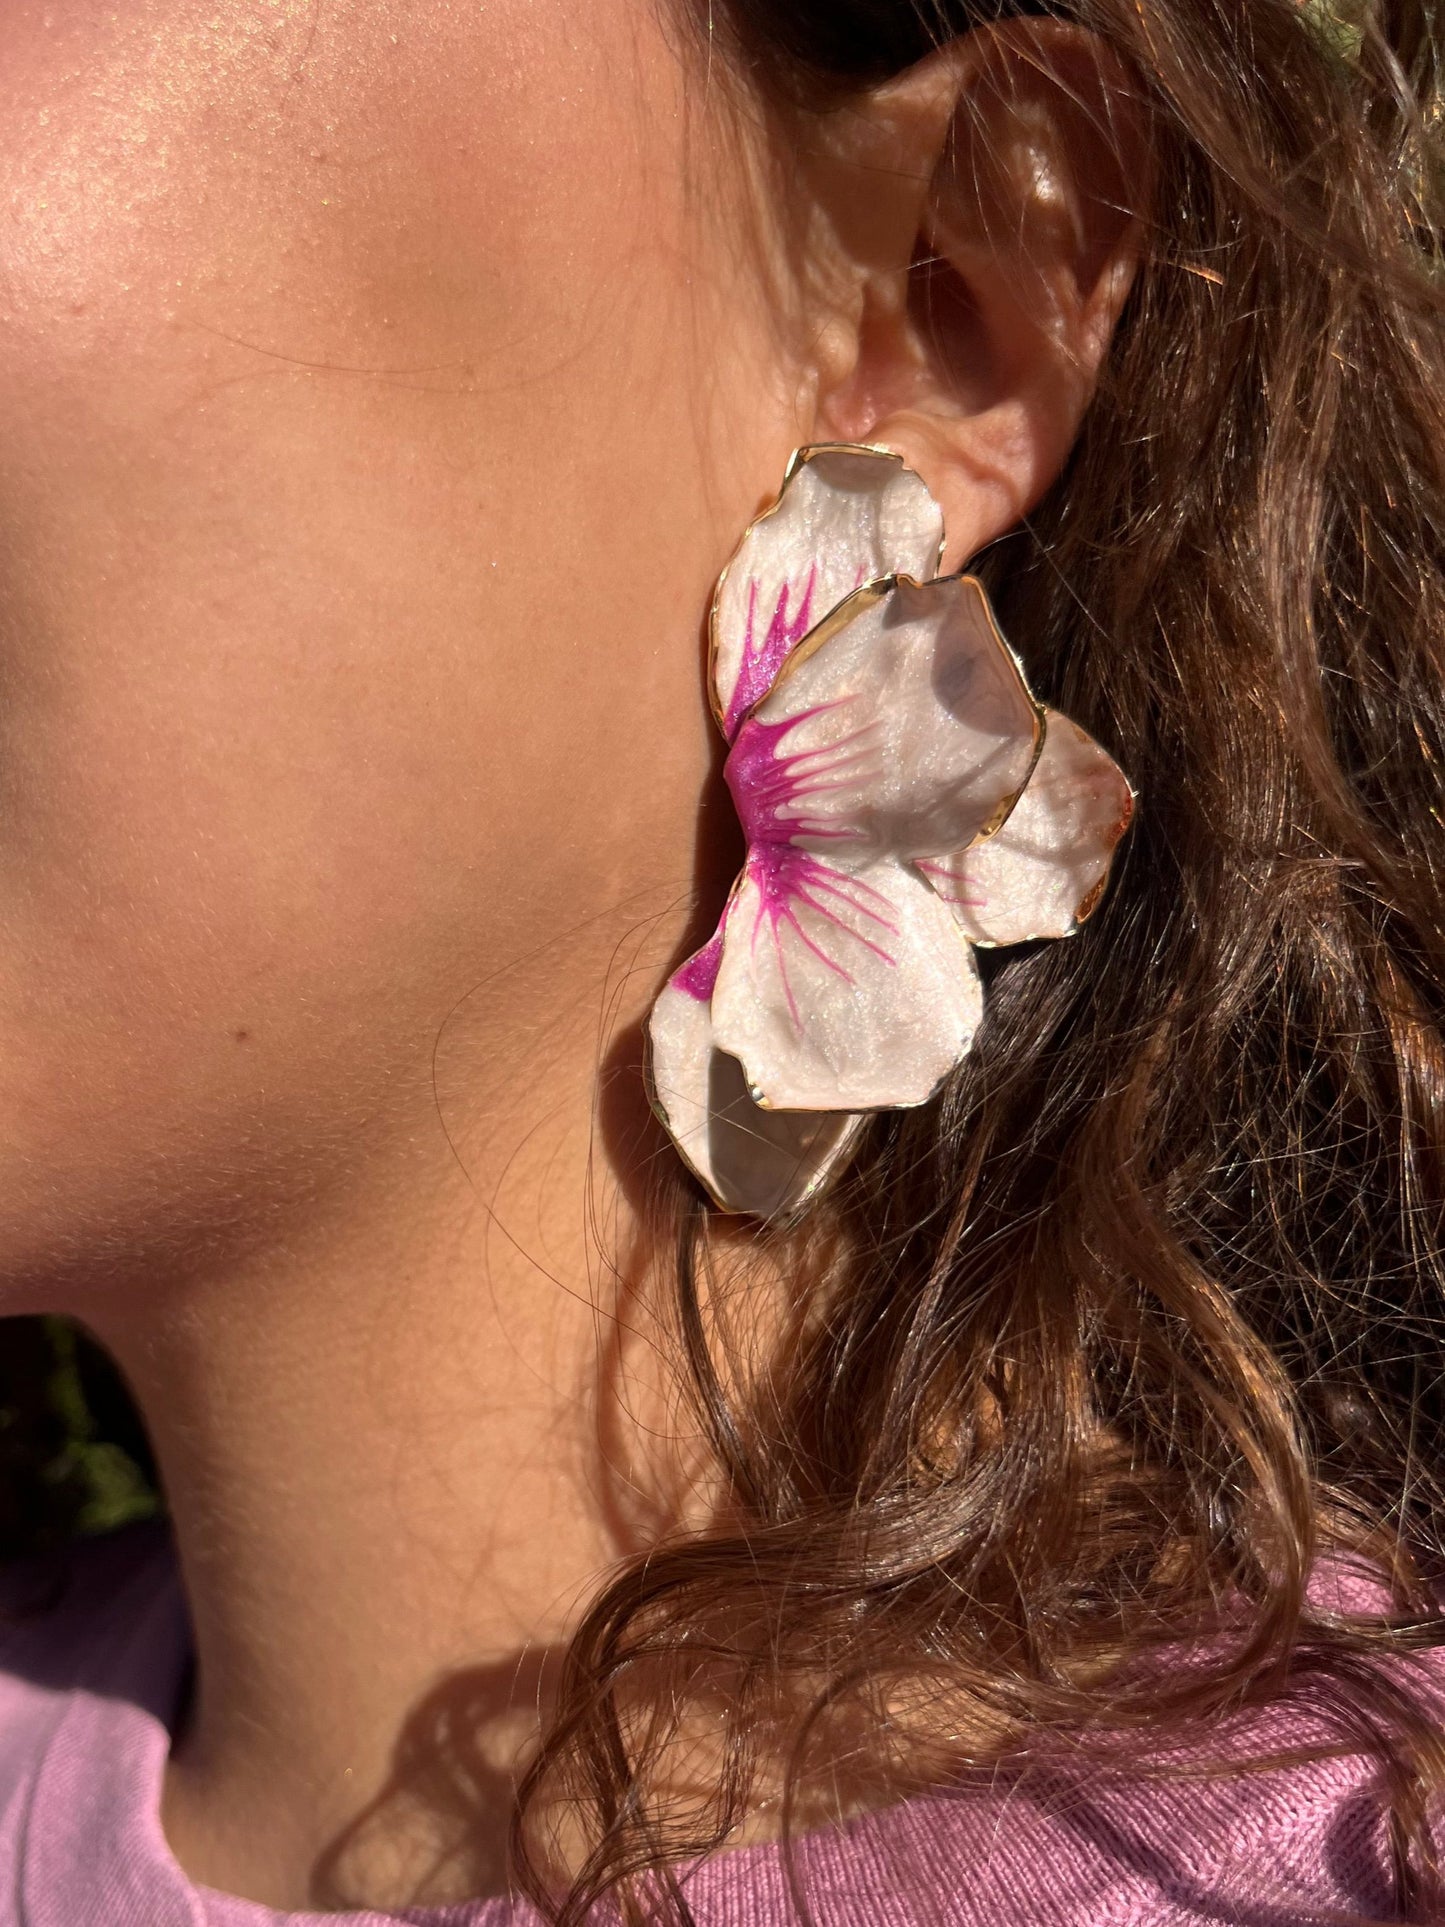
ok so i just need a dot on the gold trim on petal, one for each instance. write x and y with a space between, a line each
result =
867 597
856 603
1091 899
1094 895
798 460
783 1216
878 1110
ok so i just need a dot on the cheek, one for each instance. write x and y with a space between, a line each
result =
354 529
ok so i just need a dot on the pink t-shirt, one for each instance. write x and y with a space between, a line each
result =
90 1685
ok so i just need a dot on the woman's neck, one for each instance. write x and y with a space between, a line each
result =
394 1478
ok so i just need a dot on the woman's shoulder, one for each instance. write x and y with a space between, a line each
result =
1060 1850
1274 1820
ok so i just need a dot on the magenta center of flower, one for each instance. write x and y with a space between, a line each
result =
765 649
781 797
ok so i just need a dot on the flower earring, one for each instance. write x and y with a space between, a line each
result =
904 798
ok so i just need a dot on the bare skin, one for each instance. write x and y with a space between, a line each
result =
382 385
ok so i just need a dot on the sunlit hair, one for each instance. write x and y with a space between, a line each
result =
1116 1346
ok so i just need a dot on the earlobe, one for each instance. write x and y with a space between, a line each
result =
1015 171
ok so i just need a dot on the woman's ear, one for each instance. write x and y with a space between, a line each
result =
986 208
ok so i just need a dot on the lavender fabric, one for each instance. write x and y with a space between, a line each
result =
90 1683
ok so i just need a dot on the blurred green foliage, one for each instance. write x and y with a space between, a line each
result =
74 1459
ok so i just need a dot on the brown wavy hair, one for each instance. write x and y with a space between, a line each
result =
1100 1355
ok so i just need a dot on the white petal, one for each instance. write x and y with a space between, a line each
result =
749 1160
1044 871
842 989
845 516
905 728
